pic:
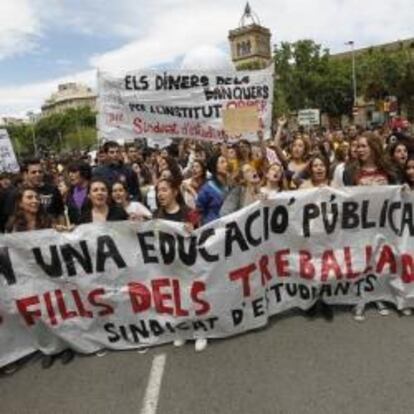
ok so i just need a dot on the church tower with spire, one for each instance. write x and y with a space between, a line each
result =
250 42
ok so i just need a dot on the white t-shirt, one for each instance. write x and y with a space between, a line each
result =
138 209
269 193
338 176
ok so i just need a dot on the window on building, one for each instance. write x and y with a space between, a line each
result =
248 48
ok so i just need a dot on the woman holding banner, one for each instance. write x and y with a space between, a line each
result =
372 168
172 207
134 209
29 215
318 171
100 207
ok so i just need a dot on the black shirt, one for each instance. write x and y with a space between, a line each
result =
115 213
181 215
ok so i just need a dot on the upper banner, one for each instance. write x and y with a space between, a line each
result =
182 104
125 285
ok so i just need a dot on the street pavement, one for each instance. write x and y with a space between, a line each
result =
293 366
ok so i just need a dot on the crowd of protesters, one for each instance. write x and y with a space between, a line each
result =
195 183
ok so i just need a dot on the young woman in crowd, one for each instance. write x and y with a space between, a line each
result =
372 168
171 204
408 184
298 160
246 192
28 216
214 191
164 167
409 171
398 154
100 207
191 186
28 213
170 164
318 172
134 209
245 148
144 176
172 207
275 181
233 157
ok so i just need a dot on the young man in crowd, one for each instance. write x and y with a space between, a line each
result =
115 170
133 154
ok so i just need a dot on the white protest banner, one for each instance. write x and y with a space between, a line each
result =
180 104
126 285
309 117
8 161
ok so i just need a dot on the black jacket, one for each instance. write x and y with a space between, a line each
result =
115 213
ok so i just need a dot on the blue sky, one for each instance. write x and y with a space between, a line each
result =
46 42
60 53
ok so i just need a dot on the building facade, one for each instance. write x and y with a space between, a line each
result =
250 42
69 96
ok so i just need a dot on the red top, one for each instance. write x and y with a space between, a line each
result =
371 177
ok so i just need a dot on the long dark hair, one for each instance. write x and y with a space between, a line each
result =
204 168
109 202
380 160
325 162
179 198
18 221
174 168
406 179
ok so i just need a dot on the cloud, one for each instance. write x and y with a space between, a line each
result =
207 57
175 30
19 27
17 100
159 32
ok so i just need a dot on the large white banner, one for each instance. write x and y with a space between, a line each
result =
181 104
8 161
126 285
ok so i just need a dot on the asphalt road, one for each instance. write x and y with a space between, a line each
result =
293 366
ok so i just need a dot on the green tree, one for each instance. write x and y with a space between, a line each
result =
307 77
72 129
22 139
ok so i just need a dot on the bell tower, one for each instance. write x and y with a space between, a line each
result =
250 42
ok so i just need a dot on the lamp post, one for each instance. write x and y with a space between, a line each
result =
31 120
351 43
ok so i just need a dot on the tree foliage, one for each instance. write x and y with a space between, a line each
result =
72 129
306 77
383 73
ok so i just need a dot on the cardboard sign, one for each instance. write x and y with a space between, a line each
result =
309 117
241 120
